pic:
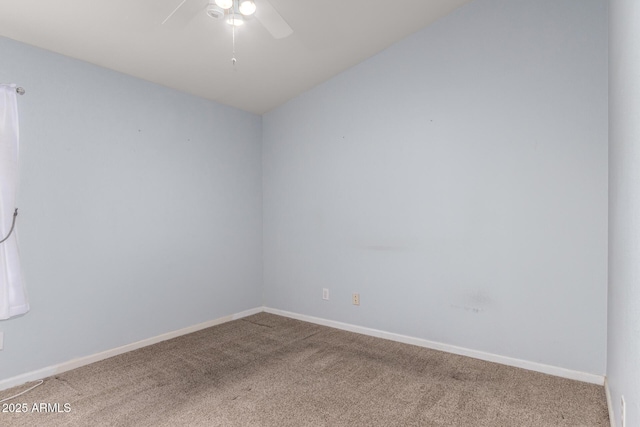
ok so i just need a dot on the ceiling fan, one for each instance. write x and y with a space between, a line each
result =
233 11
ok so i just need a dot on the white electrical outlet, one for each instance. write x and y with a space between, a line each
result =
1 340
325 293
623 413
355 299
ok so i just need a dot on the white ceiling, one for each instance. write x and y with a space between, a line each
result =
127 36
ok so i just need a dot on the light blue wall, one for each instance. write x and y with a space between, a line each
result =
623 356
140 209
458 182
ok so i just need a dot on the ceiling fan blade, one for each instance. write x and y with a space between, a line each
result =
184 11
173 13
272 20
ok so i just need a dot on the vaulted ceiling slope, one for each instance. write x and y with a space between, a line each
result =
194 55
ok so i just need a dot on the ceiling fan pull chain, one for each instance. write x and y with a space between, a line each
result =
233 56
233 35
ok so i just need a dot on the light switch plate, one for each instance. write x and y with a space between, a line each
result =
1 340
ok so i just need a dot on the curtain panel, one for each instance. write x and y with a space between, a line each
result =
13 297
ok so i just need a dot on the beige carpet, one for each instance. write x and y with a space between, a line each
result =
267 370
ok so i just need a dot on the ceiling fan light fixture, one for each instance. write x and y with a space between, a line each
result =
235 19
247 7
225 4
215 11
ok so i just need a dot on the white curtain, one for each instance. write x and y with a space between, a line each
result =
13 298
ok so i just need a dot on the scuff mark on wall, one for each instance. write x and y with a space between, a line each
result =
476 302
475 310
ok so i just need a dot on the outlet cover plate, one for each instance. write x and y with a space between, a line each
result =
355 299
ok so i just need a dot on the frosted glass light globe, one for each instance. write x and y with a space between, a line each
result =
225 4
247 7
235 19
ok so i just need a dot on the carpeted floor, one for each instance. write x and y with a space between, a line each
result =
267 370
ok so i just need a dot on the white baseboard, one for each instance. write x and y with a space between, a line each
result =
607 392
532 366
82 361
509 361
